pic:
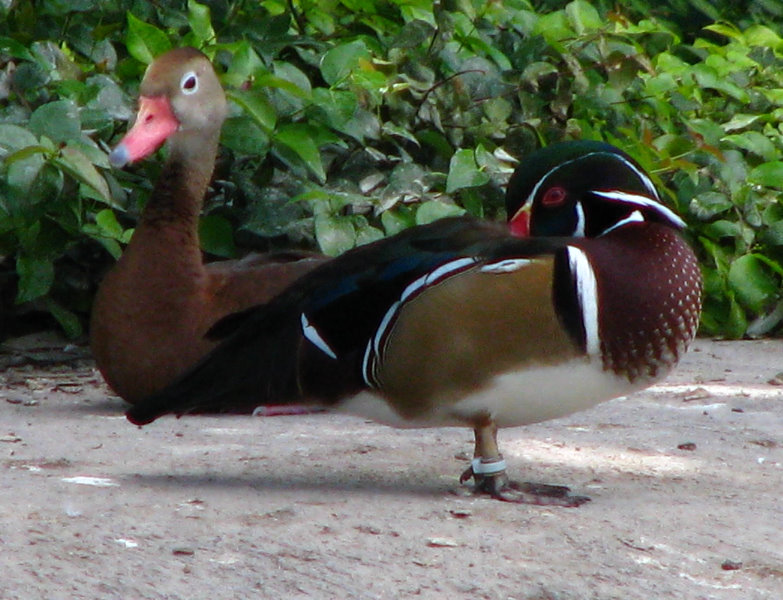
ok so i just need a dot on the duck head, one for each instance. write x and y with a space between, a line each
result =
582 189
180 98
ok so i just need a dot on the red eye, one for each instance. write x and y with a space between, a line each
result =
553 197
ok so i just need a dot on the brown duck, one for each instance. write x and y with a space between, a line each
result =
155 305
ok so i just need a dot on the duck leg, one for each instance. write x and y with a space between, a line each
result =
488 471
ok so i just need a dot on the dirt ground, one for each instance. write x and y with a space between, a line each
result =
685 480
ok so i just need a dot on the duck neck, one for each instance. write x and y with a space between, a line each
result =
178 195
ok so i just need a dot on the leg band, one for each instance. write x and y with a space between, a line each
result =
488 468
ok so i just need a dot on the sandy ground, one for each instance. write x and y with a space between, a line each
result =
685 480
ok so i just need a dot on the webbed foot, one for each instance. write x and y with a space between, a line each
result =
498 486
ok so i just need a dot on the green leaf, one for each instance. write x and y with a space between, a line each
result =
366 233
774 95
722 228
47 186
24 166
338 62
761 35
108 224
538 70
730 31
217 236
755 142
404 133
335 235
554 27
245 65
708 78
434 210
78 166
244 136
340 111
13 137
302 92
145 41
36 276
59 121
773 214
583 16
737 323
289 79
769 174
774 234
413 34
470 199
321 20
108 232
740 121
498 110
200 22
15 49
752 282
396 220
67 319
464 172
257 106
300 139
709 204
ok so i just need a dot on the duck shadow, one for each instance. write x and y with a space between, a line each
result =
104 406
362 482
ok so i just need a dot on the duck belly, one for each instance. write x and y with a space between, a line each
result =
522 397
542 393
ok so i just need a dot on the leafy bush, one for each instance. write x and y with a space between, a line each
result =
352 120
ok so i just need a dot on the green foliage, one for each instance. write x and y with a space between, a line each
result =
353 120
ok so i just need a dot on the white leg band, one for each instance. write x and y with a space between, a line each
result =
488 468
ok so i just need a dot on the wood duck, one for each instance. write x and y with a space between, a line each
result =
460 323
155 305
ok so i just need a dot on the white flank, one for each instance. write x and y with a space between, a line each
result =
643 201
311 333
587 293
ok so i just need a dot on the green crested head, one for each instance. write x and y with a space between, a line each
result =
583 189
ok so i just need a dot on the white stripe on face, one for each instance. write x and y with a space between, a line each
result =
644 202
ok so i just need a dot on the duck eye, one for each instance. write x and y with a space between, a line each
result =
189 83
554 197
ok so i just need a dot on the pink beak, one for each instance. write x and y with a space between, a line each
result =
154 123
